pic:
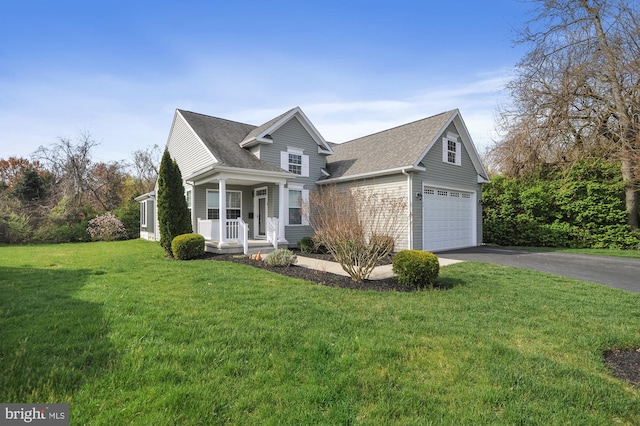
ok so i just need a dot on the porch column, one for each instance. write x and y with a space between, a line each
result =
222 202
281 206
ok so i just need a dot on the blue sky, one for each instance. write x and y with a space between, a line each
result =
120 69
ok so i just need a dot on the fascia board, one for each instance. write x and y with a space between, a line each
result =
369 175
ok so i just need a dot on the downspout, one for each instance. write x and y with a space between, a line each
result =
409 209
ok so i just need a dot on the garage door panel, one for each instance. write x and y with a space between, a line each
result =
447 219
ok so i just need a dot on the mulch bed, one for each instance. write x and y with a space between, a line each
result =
320 277
623 363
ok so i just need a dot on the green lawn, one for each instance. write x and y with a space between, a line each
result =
127 337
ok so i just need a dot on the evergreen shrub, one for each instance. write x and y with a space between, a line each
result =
188 246
416 268
307 245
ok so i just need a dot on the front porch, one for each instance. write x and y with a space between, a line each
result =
237 210
236 239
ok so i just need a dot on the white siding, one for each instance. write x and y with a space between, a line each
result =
390 186
186 148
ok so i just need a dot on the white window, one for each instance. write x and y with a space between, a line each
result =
293 160
295 163
234 204
187 195
297 196
451 150
143 214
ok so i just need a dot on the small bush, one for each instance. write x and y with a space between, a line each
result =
280 257
188 246
416 268
106 227
307 245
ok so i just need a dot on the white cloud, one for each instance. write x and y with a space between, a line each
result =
129 114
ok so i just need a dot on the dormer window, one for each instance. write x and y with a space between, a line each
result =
294 161
451 149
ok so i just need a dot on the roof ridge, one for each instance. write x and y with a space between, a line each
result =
397 127
217 118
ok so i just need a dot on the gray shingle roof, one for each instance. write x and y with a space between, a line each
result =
394 148
255 132
222 137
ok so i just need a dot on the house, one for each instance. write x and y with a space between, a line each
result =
244 184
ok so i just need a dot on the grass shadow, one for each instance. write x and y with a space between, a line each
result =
448 283
51 342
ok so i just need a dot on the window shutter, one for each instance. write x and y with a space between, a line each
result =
458 153
305 166
284 160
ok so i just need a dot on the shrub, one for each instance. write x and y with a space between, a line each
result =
14 228
129 215
416 268
69 233
106 227
280 257
188 246
307 245
355 224
381 244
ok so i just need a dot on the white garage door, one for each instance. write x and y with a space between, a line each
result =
448 221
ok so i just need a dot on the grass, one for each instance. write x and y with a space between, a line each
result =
127 337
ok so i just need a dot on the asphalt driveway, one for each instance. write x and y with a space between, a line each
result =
616 272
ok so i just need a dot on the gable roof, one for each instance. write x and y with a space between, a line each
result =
396 149
222 138
262 134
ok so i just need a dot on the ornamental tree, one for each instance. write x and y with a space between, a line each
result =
173 212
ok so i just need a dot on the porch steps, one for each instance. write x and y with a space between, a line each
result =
255 246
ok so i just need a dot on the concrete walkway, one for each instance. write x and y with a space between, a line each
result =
379 273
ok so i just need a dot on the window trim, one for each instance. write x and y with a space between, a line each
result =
451 138
286 164
188 195
143 213
229 191
304 197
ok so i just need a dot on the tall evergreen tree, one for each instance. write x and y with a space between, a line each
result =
173 212
30 187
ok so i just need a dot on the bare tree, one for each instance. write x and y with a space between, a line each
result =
357 225
78 177
146 163
577 93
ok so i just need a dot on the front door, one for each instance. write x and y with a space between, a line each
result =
260 216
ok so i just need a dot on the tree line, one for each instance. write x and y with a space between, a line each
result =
52 196
568 159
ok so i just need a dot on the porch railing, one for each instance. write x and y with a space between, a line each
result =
241 232
236 230
273 227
